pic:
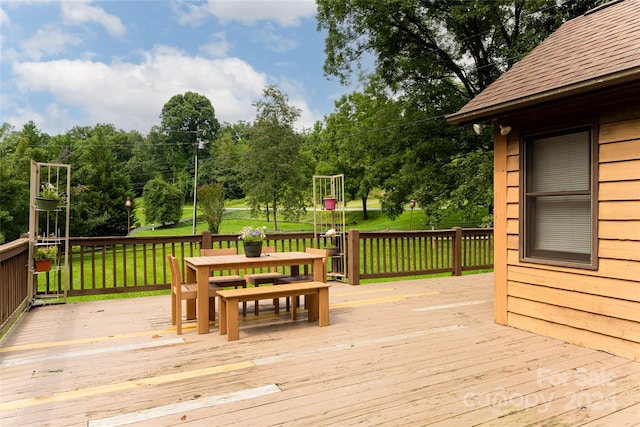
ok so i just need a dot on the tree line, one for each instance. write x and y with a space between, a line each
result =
429 58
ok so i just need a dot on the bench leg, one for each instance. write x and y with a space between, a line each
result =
233 322
312 306
222 303
323 307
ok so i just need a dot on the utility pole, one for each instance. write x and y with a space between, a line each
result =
199 145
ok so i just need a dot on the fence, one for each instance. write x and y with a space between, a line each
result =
104 265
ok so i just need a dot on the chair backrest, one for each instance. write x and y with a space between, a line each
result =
270 250
176 280
220 251
324 254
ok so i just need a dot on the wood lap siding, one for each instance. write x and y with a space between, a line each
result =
594 308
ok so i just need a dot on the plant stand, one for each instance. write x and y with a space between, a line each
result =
329 222
49 226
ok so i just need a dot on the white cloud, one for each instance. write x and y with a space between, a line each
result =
285 12
274 41
4 18
218 47
78 12
22 116
188 13
49 40
131 96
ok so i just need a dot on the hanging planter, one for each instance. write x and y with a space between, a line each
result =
42 265
44 204
49 198
330 203
43 257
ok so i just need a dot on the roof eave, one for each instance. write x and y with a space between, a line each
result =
496 110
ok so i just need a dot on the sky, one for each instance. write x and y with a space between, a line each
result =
81 63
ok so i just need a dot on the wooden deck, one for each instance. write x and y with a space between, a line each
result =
421 352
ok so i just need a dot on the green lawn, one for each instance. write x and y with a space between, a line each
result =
234 220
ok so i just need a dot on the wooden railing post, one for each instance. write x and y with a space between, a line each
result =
353 257
457 252
207 242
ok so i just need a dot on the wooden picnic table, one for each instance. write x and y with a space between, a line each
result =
199 268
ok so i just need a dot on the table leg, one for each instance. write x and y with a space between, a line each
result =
222 303
323 307
233 325
203 300
191 304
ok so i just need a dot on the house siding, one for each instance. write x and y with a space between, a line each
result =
594 308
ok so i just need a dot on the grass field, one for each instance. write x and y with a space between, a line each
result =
237 216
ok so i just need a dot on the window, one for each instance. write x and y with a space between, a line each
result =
558 201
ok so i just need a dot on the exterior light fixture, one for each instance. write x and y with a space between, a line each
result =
412 204
504 130
127 204
478 128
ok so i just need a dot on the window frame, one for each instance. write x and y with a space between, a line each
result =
528 252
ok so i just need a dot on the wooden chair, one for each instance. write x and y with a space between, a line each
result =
185 291
293 279
257 279
234 280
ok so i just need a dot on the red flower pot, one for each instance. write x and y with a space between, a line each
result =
43 265
330 203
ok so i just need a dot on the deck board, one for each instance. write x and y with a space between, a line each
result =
417 352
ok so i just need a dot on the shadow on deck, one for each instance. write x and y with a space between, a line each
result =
419 352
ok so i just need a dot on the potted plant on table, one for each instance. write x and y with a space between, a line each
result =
43 257
48 198
253 238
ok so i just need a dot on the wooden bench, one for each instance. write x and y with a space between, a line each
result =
317 294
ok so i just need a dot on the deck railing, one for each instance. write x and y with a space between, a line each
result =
104 265
14 257
414 253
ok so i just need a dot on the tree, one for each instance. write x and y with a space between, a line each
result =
274 167
184 118
100 184
17 149
356 139
225 164
211 199
467 45
162 202
436 55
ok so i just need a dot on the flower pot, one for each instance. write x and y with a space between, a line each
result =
330 203
331 251
42 265
252 249
45 204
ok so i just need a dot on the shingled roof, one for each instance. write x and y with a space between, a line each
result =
598 49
